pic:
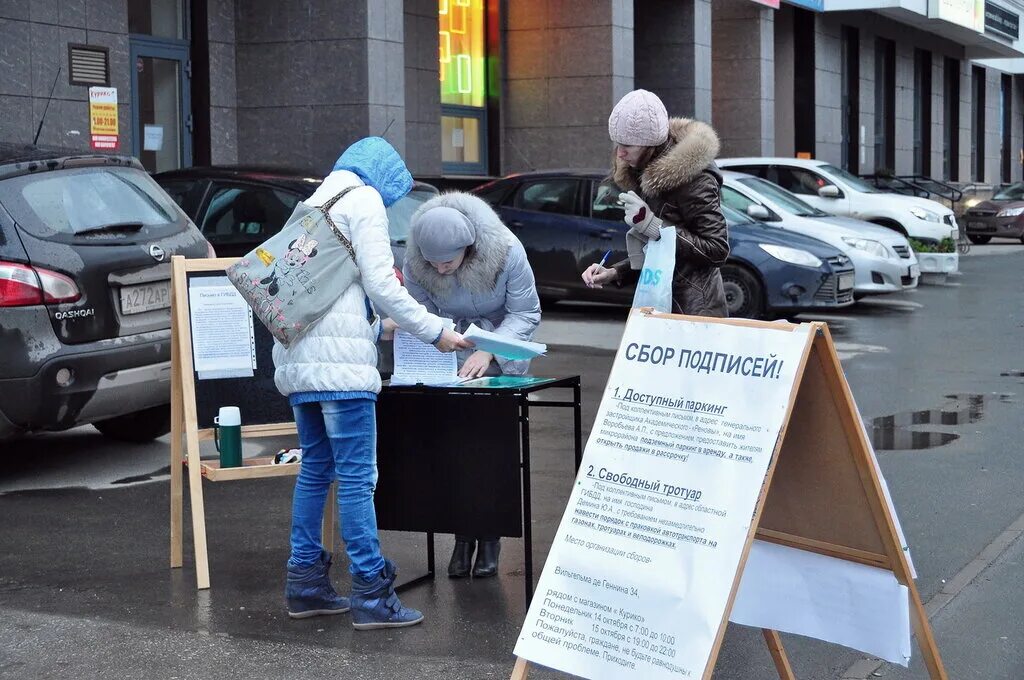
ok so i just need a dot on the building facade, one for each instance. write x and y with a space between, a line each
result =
487 87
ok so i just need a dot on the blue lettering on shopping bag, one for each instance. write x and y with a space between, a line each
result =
655 286
649 277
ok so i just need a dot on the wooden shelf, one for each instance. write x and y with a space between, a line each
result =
252 468
249 431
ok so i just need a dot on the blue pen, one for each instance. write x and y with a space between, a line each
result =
603 260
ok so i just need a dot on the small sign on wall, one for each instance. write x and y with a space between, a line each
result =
1001 21
103 118
153 138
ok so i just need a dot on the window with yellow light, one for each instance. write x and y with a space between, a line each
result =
462 52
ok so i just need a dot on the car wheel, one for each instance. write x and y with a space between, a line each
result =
979 240
744 295
138 427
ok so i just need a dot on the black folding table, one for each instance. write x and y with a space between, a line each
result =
455 459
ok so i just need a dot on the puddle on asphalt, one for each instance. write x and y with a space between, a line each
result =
897 433
888 439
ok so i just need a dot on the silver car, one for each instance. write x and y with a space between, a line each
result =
882 258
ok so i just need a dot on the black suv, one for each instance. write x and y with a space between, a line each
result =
85 248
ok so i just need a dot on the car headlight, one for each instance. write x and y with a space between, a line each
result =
971 202
791 255
1010 212
872 247
926 215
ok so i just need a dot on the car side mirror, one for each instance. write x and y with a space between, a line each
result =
829 191
758 212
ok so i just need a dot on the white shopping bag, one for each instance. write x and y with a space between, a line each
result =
655 287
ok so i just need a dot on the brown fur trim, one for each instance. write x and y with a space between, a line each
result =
692 147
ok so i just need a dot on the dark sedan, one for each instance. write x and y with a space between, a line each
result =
1001 215
567 220
237 208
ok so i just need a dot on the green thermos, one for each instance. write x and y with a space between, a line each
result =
227 435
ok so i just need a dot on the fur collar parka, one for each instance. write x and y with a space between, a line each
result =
493 288
682 186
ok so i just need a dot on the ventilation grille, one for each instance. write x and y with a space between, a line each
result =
89 65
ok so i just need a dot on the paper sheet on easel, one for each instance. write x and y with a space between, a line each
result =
223 341
850 604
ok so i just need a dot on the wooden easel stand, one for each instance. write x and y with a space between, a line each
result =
822 492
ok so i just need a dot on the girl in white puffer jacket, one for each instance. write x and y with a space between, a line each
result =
329 375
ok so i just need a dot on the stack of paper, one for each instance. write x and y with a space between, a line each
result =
502 345
417 363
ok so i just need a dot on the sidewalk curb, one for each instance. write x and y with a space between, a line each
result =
865 669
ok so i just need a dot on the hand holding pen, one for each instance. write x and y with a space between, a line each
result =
596 275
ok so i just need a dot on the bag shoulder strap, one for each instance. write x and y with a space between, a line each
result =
326 210
334 199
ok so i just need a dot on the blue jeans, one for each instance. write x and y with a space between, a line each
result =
339 441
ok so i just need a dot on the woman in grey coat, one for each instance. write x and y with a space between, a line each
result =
462 263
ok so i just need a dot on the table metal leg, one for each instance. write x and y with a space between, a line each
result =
577 423
524 424
429 576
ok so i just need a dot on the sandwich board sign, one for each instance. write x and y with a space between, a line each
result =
712 433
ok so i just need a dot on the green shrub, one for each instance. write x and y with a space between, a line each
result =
946 245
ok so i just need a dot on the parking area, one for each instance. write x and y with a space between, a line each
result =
87 578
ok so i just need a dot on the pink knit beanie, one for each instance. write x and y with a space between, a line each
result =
639 119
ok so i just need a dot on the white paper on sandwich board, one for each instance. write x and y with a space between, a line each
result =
826 598
641 568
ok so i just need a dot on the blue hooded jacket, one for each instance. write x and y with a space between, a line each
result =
378 164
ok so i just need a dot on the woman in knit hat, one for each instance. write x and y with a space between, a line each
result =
462 263
666 169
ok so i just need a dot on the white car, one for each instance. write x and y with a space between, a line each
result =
882 259
838 192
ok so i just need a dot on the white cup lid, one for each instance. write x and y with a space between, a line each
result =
229 415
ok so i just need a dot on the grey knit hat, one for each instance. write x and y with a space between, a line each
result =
441 233
639 119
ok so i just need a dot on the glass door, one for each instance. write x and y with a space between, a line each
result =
161 110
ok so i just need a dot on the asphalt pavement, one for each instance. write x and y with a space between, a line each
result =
86 592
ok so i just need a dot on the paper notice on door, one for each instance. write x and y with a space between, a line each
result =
223 341
153 138
417 363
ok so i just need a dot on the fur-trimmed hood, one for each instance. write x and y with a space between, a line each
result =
485 260
691 148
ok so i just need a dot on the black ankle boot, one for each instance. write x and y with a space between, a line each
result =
462 556
487 558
